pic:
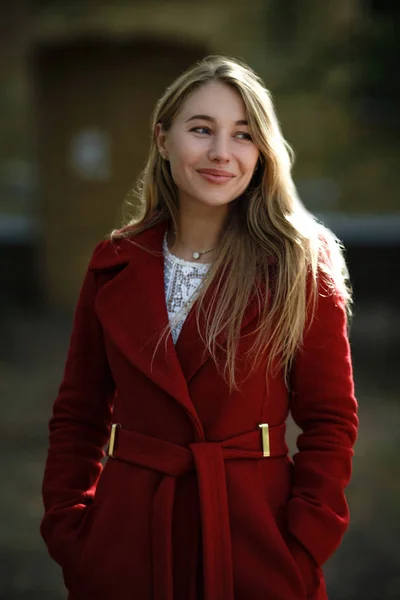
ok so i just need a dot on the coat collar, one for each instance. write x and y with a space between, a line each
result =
132 309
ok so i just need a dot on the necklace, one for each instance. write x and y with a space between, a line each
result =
196 253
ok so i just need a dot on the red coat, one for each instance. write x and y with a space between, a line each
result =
189 507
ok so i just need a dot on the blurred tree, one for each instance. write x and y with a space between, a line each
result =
336 63
376 85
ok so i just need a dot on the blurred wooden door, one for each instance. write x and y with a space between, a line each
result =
93 104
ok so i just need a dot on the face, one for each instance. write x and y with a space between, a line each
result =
209 147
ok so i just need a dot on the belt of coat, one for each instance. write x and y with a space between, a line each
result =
207 460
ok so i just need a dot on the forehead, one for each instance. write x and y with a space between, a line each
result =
216 99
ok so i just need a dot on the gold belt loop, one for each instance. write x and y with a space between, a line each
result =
265 439
110 451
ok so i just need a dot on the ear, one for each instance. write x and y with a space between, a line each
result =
161 140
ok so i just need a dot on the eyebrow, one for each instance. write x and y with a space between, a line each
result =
212 120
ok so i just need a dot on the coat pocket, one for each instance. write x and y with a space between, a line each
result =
69 572
310 572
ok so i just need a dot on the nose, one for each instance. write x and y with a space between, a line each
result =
219 149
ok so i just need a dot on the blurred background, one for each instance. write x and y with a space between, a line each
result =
78 80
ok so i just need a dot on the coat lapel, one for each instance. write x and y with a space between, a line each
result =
132 310
190 348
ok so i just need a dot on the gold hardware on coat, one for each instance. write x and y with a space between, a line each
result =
112 439
265 439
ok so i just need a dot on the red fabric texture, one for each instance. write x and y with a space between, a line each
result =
175 461
257 528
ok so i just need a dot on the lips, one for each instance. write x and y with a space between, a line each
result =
218 176
216 172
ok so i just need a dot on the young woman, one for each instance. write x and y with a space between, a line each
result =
200 325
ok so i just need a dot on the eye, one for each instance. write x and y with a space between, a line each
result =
244 136
201 130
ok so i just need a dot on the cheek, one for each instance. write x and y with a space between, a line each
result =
185 151
180 164
253 158
249 164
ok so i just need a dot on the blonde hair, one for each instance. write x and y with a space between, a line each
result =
268 220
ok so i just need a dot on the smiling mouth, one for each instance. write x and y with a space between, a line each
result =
216 176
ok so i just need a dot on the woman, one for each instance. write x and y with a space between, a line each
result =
200 324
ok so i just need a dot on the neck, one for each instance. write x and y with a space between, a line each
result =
198 230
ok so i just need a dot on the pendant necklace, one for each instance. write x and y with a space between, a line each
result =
196 253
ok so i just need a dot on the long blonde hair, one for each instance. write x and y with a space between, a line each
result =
268 220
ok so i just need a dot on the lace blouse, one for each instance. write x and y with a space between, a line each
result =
182 281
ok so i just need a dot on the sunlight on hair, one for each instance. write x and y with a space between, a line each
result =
271 249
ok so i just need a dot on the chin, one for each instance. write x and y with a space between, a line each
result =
215 202
213 199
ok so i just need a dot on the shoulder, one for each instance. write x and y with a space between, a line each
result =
128 244
122 246
110 253
332 271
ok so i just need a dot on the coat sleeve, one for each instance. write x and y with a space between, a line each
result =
323 405
79 429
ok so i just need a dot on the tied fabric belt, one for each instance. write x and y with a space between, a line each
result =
207 459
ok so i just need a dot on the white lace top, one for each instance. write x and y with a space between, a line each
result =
182 280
